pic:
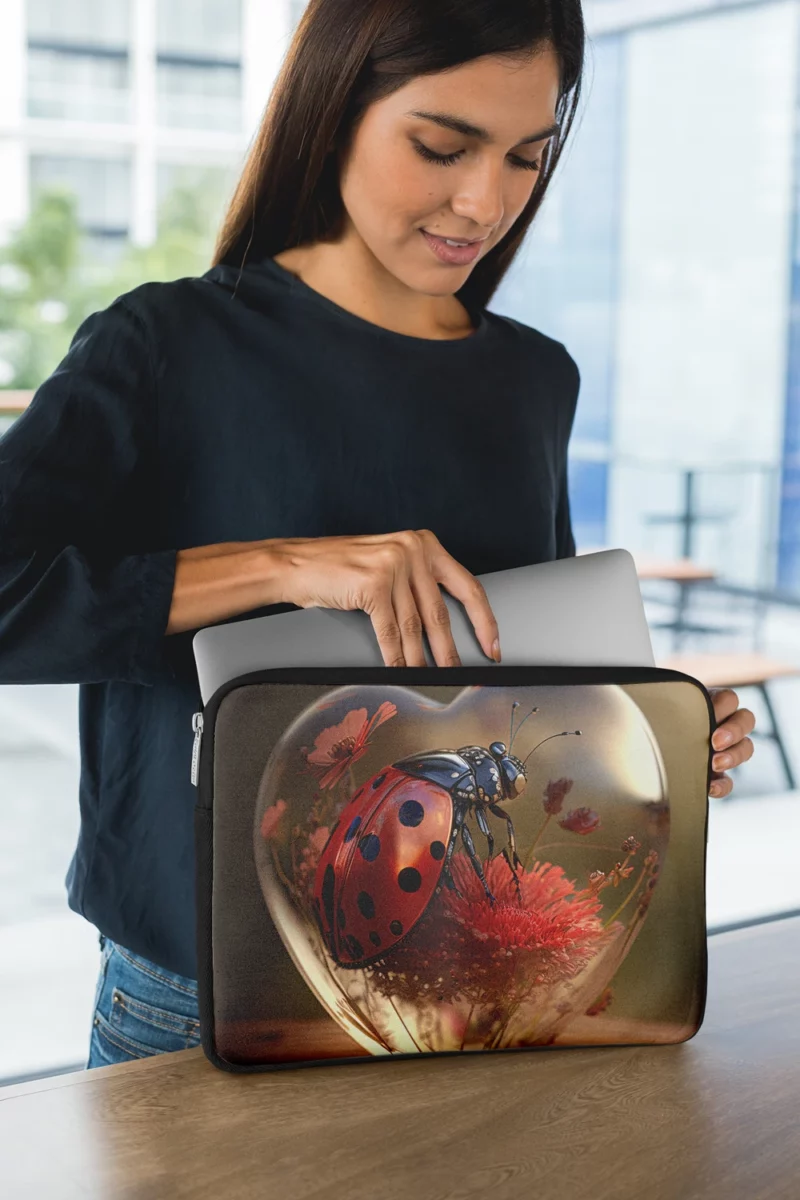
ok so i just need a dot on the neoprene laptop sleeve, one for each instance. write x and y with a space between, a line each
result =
428 860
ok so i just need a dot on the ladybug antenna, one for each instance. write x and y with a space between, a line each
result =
513 732
566 733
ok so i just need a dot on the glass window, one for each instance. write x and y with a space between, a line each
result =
78 87
201 28
78 66
102 187
92 22
199 95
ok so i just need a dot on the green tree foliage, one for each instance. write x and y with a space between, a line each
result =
51 279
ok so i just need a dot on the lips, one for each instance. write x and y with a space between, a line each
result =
452 255
463 241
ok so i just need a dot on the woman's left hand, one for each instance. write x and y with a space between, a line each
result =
729 740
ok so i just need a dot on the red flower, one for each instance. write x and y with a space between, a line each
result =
338 746
554 794
581 820
492 953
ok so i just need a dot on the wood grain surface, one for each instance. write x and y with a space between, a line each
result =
712 1117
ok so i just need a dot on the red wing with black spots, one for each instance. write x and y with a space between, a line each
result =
381 865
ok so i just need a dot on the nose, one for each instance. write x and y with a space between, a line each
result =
480 195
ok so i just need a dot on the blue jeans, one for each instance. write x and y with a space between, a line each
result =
140 1009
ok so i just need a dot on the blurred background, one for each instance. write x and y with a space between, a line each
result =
665 257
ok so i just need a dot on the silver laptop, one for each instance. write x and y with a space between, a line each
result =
583 611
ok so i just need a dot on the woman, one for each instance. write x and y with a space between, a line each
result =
328 417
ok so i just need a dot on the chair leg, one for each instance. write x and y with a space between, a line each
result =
776 734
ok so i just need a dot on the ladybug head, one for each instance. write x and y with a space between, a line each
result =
512 771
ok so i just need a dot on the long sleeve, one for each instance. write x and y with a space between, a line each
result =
82 598
565 540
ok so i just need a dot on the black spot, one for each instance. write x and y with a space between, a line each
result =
366 905
378 780
340 917
410 879
328 882
411 813
370 847
375 938
396 928
437 850
354 947
351 831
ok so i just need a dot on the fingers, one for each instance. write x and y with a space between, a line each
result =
462 584
387 629
407 607
725 701
722 786
733 729
737 754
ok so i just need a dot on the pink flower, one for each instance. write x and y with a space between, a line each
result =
338 746
554 794
271 818
581 820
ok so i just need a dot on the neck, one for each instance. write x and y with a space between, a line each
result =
349 275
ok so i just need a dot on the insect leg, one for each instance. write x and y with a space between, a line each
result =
512 840
483 825
459 813
466 838
513 858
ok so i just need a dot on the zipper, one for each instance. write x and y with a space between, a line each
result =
197 726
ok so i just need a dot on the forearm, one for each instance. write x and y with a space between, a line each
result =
219 581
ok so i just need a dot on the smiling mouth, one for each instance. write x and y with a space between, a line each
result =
455 241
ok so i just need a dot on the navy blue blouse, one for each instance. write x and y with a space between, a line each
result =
235 407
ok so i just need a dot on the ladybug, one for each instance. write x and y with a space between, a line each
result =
390 851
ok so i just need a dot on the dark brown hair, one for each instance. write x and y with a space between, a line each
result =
347 54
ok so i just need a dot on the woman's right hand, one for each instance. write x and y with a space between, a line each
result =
394 578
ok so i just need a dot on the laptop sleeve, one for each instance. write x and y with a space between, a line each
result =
402 861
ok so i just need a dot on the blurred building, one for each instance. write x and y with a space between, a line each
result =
666 258
122 99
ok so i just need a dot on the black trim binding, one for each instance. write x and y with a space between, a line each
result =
487 675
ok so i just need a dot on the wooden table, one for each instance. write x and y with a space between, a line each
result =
715 1117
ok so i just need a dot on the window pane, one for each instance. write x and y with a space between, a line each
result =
91 22
206 28
102 187
78 87
199 96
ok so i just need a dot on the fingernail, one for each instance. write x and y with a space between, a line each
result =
722 738
714 790
721 761
496 650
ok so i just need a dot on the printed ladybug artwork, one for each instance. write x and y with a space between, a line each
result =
390 851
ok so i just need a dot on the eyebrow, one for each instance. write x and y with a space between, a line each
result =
448 121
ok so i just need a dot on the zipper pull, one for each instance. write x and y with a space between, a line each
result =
197 726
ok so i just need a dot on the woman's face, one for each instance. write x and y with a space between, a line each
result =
393 189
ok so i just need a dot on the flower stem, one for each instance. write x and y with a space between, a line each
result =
627 900
402 1022
529 857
